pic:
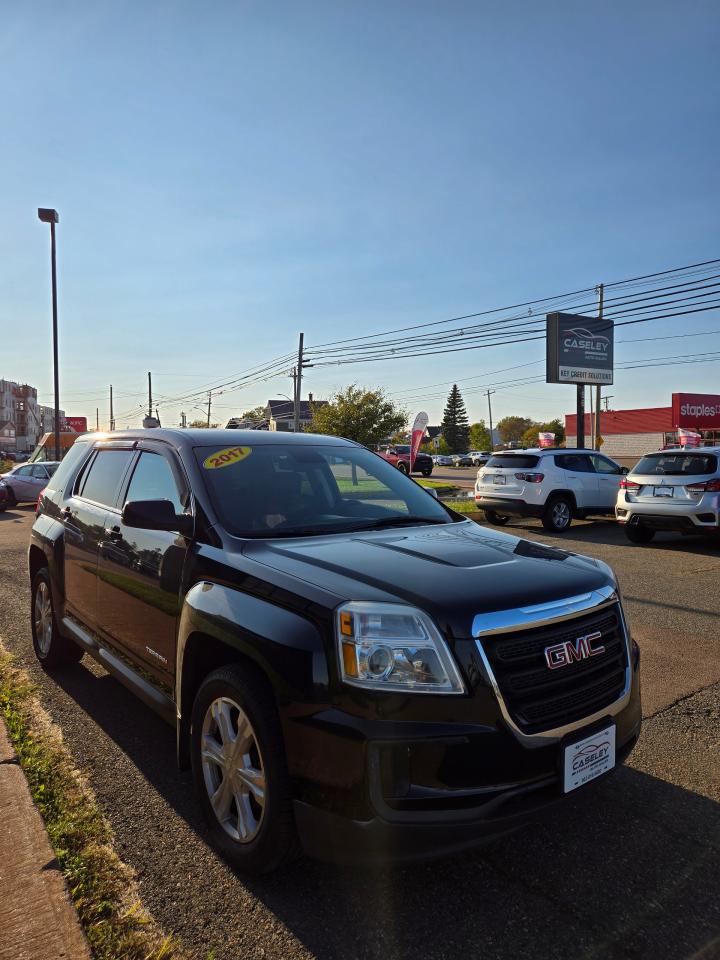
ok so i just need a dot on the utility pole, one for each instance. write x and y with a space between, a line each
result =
209 405
601 292
97 419
183 420
488 394
580 414
298 383
157 415
48 215
606 400
112 415
149 394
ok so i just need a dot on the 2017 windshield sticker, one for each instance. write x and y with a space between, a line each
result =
225 458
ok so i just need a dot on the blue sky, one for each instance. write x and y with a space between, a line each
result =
229 174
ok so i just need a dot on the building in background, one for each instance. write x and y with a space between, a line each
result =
19 407
630 434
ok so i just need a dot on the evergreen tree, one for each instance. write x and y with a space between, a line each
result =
455 424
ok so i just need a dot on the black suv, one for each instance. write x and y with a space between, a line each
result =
347 662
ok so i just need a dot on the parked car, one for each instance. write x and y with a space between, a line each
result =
24 483
399 456
675 489
346 661
479 457
555 485
462 460
443 460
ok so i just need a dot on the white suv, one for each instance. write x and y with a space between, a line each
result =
555 485
671 490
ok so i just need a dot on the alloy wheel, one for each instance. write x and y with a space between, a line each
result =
43 618
561 515
233 770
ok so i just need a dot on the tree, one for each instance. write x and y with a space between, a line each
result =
202 425
366 416
512 428
530 437
257 413
455 424
480 436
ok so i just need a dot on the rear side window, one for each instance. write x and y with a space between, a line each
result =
575 462
514 461
677 464
71 461
102 481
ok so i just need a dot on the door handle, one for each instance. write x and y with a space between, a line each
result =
113 533
67 513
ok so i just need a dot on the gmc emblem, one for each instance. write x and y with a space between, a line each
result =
562 654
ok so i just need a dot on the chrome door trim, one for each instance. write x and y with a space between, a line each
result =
544 738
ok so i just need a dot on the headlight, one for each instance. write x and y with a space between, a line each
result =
391 646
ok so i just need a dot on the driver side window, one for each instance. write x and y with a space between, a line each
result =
153 479
605 466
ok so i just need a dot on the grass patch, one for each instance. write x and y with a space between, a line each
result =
102 887
467 505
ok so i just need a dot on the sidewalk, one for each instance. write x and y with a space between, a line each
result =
37 919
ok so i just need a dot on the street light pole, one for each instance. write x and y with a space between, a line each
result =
47 215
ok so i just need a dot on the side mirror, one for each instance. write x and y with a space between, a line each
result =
431 491
156 515
624 470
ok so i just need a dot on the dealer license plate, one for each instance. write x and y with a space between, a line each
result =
499 478
589 758
664 491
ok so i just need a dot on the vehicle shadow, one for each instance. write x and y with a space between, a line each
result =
628 871
609 533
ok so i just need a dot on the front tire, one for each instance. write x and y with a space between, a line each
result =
426 473
403 468
558 515
496 519
637 534
51 648
239 770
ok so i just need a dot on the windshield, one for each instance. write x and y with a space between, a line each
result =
273 490
677 464
402 448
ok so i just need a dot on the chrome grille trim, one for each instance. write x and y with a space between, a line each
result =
544 738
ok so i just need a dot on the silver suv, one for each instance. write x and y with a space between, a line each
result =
556 485
671 490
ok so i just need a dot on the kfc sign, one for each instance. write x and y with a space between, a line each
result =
75 425
698 410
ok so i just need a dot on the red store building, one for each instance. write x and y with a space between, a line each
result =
629 434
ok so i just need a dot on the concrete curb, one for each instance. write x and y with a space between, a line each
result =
37 919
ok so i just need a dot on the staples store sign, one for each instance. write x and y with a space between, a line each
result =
696 410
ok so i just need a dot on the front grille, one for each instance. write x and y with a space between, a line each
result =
541 699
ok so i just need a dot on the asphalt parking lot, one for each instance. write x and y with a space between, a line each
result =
630 870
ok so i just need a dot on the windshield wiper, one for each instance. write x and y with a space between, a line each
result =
401 522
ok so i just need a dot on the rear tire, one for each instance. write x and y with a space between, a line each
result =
51 648
496 519
426 473
11 500
250 815
558 514
637 534
403 468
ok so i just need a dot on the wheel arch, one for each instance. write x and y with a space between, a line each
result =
220 625
562 493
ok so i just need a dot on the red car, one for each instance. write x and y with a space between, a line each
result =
399 456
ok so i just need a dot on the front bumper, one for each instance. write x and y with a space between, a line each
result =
509 506
372 791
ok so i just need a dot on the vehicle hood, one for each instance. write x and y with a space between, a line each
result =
453 571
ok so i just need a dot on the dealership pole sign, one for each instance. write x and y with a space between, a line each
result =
579 349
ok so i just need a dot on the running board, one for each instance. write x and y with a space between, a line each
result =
149 694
